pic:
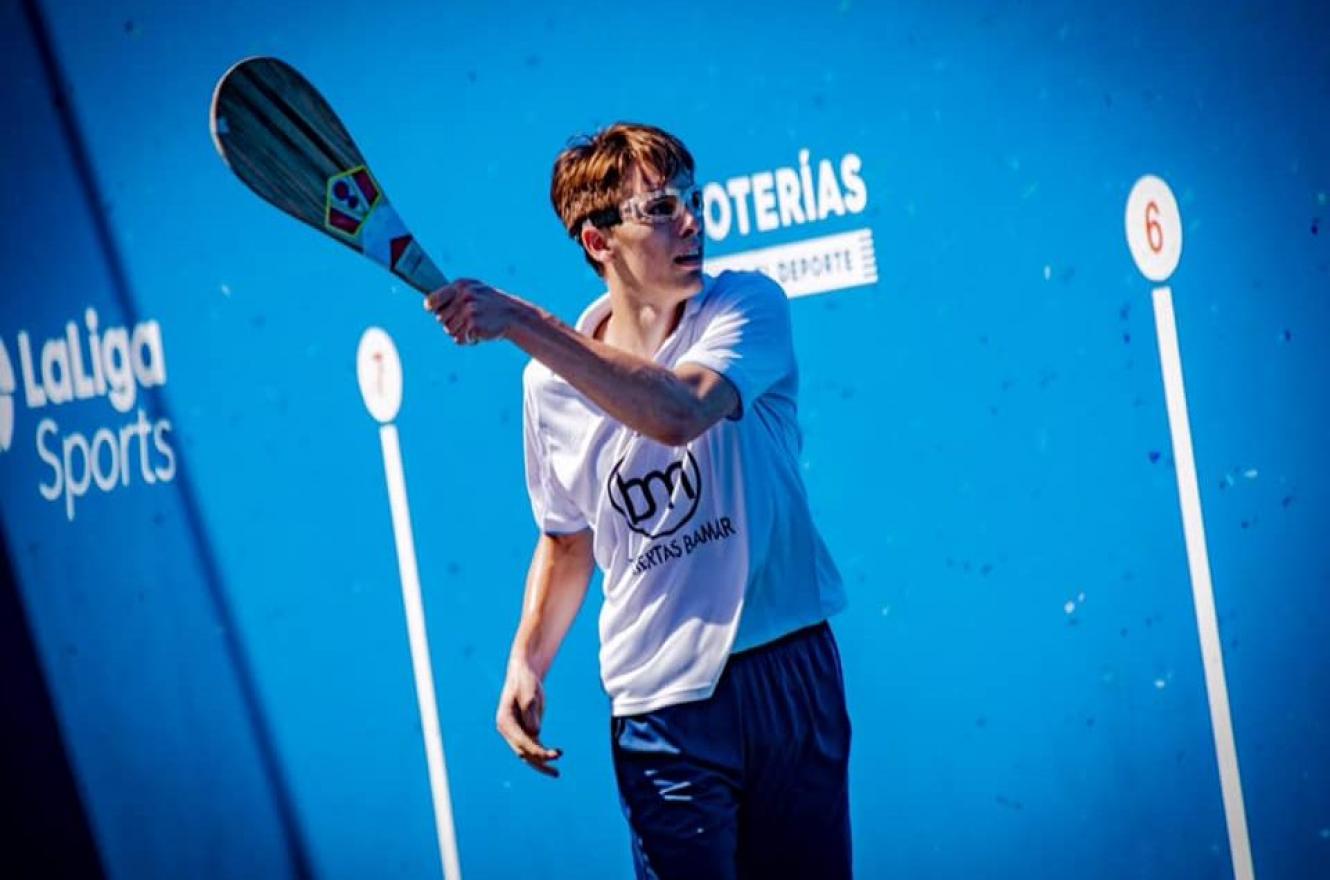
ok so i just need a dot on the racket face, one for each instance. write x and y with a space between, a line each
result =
283 140
280 137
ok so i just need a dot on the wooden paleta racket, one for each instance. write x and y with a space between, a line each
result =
279 136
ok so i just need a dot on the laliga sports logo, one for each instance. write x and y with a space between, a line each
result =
110 363
781 198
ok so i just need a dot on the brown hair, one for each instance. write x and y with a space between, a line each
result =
590 174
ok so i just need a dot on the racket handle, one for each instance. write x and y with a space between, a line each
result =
416 268
384 238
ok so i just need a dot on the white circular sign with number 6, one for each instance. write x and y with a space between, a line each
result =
1154 228
379 371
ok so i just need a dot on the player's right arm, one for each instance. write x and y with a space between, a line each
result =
556 585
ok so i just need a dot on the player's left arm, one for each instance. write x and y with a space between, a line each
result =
670 406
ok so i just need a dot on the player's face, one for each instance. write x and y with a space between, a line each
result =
664 256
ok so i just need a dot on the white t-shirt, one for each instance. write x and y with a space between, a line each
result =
707 548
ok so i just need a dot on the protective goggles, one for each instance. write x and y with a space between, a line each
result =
664 205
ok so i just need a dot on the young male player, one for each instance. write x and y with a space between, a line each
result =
662 444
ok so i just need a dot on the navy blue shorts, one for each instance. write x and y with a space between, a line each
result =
750 783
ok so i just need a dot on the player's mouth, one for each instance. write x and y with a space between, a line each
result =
691 260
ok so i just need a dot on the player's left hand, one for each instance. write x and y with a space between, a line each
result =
472 311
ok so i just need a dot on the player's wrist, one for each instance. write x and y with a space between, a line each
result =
516 310
527 320
528 665
529 658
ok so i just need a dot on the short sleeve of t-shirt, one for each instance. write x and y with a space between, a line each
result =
553 510
747 338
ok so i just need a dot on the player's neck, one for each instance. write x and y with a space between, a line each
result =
640 324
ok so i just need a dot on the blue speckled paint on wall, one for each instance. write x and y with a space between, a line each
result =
987 448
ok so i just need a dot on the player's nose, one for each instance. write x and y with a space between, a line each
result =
690 224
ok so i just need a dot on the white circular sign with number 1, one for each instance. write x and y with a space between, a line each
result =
1154 228
379 371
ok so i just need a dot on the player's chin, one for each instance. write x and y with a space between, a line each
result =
690 278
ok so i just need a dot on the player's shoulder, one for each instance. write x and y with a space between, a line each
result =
540 379
745 284
537 378
744 289
546 387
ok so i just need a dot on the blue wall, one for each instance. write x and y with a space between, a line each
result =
987 448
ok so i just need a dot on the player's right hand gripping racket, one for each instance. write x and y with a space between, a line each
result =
279 136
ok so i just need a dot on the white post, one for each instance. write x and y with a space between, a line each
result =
379 371
1154 235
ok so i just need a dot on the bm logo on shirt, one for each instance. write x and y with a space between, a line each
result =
657 503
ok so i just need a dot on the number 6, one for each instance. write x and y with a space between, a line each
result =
1154 233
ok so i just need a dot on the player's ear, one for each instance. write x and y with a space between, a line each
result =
597 243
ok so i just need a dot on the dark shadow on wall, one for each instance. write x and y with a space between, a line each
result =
47 833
